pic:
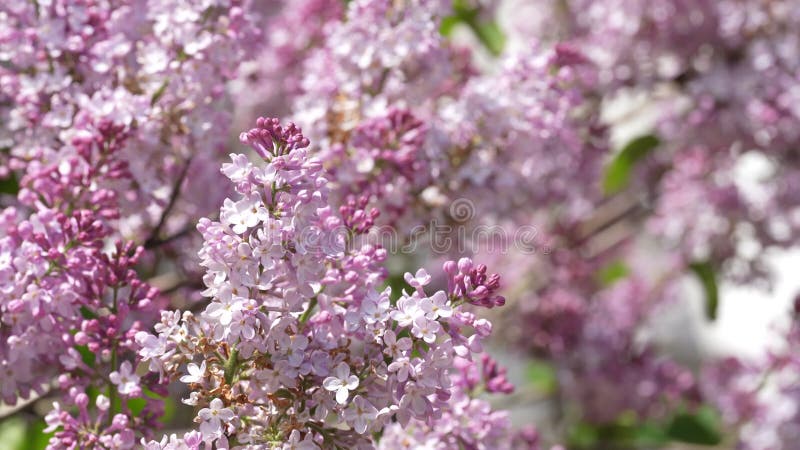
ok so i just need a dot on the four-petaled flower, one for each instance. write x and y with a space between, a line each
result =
341 382
213 417
407 310
126 380
244 214
426 329
360 414
296 443
196 374
295 349
393 346
437 305
417 281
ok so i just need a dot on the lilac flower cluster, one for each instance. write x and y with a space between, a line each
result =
156 68
760 398
70 306
298 346
408 124
468 422
274 73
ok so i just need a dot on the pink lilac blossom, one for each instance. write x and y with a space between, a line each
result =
156 68
499 132
585 329
730 72
469 421
316 357
64 292
520 130
464 134
366 96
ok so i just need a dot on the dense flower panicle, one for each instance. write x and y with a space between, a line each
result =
271 140
684 188
644 39
556 317
156 68
722 75
733 385
142 79
651 384
585 329
382 163
760 397
585 325
367 96
463 135
472 282
297 327
380 53
499 132
70 308
533 121
468 422
93 94
487 375
49 256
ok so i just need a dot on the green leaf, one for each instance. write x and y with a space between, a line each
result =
488 32
582 435
86 355
9 184
136 405
17 433
448 25
12 433
490 35
612 273
36 438
159 92
92 392
169 410
705 272
87 313
618 172
627 432
283 393
701 428
542 376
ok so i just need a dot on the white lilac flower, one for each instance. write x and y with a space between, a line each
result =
341 382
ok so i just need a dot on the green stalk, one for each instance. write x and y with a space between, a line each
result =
307 313
231 364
